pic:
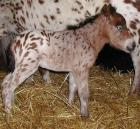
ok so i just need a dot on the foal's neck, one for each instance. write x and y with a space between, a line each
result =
96 32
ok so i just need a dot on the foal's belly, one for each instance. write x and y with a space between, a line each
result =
58 65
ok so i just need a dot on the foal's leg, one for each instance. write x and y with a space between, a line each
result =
14 80
46 77
45 74
83 91
72 87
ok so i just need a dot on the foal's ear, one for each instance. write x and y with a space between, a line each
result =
108 10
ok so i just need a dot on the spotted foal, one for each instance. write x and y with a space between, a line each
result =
73 51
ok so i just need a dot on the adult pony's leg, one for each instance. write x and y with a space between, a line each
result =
135 89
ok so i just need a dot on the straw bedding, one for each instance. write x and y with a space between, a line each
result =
44 106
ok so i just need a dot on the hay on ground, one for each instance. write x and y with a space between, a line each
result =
44 106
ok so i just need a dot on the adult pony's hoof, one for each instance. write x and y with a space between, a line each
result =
134 92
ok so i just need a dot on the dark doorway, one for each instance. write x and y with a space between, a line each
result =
111 58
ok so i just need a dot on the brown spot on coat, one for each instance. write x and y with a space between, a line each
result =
26 54
127 1
42 25
47 20
27 14
22 2
22 35
87 14
33 45
137 20
22 19
32 35
97 9
56 1
79 3
37 38
52 17
26 37
29 2
33 61
18 7
139 32
35 26
58 10
133 25
137 5
76 10
41 1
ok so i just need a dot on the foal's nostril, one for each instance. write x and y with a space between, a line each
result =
131 47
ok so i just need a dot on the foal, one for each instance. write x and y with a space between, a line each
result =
74 51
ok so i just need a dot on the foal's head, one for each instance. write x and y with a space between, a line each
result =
115 30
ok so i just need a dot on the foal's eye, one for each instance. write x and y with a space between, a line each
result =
119 27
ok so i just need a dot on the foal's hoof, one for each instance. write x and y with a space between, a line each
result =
47 79
84 114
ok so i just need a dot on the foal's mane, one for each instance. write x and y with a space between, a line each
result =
83 23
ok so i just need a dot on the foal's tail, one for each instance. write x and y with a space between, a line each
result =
7 58
10 59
